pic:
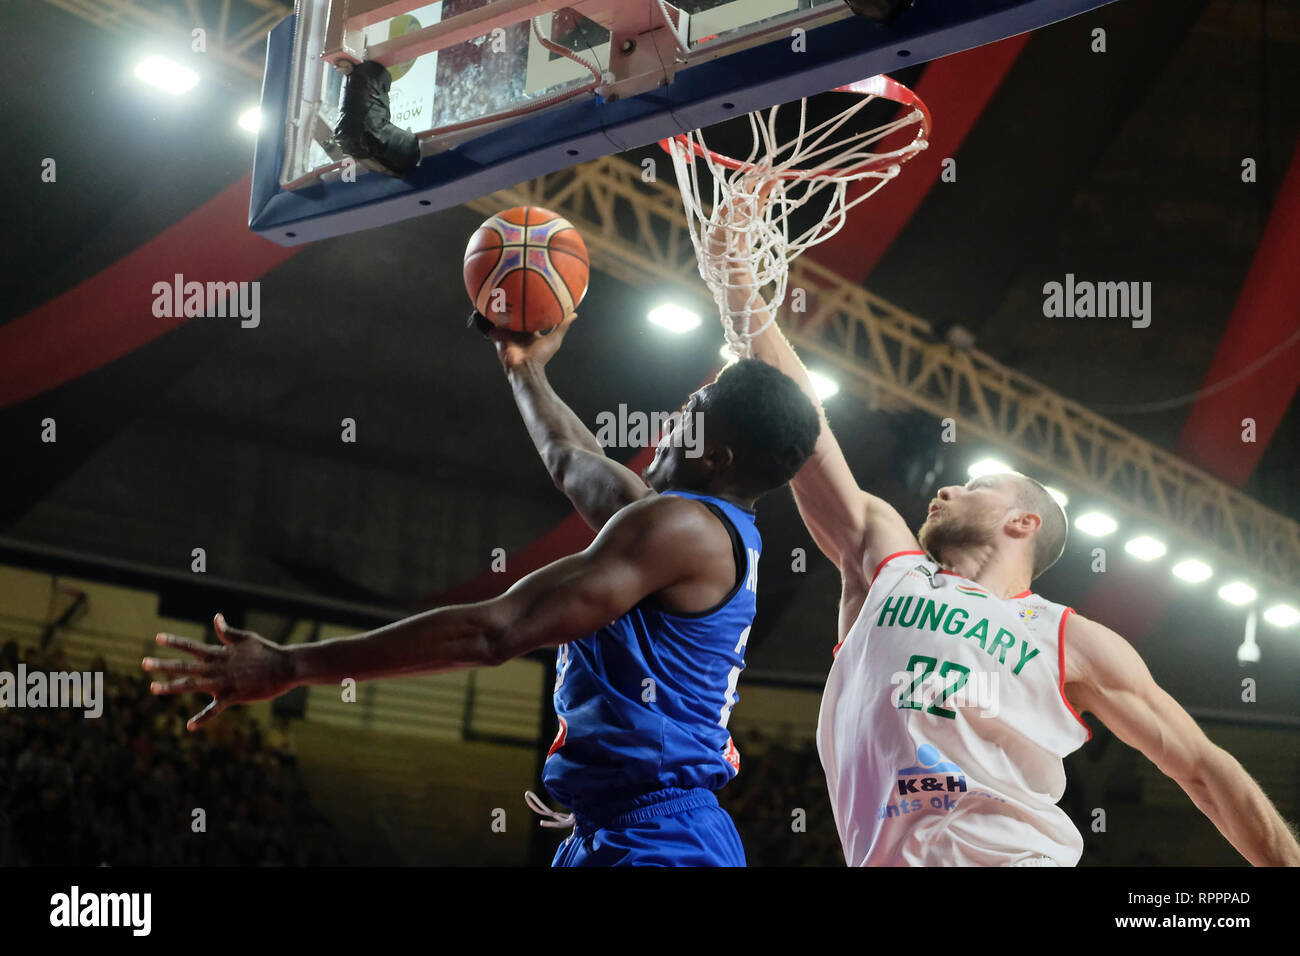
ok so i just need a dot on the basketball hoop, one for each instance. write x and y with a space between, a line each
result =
742 242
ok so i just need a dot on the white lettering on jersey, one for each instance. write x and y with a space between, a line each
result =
733 678
943 725
561 666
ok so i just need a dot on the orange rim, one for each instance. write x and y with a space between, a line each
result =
880 86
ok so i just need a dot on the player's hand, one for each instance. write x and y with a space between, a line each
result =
242 668
524 348
736 215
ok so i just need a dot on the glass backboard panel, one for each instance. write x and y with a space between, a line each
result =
495 106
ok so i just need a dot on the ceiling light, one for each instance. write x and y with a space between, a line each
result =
1282 615
823 386
1145 547
674 318
1238 592
987 466
166 74
1193 571
1096 524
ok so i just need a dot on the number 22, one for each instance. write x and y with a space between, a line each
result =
906 702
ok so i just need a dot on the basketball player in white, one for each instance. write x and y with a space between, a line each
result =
956 691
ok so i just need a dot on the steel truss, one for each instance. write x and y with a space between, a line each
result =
235 29
636 232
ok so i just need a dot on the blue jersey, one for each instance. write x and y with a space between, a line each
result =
643 703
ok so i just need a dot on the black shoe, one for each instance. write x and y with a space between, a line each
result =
364 130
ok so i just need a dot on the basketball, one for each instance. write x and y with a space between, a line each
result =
526 269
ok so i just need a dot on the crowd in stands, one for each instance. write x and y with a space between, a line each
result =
132 787
780 804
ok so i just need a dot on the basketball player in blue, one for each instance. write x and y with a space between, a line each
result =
651 620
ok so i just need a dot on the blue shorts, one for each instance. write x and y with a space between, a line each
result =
665 828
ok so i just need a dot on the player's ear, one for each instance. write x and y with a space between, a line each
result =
1024 524
720 457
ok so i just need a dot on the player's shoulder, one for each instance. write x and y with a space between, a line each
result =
1096 654
1032 606
671 520
1086 631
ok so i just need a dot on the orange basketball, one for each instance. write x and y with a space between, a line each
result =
526 269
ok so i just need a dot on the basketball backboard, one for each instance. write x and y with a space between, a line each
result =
502 91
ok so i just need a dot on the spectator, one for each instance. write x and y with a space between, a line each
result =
122 790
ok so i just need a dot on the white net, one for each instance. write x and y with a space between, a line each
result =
742 237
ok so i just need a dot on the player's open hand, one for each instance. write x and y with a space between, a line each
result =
536 348
242 668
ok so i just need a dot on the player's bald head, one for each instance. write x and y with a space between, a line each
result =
1049 540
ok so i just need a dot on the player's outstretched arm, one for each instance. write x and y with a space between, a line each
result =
638 553
854 529
597 486
1105 675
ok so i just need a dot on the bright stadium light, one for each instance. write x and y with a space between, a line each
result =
1282 615
251 120
1145 548
166 74
1192 571
988 466
1059 496
1237 592
674 318
823 386
1096 524
728 355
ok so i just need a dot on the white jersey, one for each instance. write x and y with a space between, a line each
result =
944 725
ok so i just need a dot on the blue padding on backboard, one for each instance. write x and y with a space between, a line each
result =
709 93
268 153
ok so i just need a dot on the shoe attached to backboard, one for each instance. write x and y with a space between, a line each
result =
364 130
